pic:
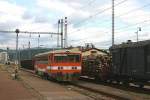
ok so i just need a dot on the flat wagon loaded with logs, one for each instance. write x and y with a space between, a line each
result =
97 67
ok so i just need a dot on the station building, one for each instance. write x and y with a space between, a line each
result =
90 51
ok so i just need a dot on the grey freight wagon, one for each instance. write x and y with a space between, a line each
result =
131 62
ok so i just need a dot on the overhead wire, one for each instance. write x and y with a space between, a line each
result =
135 23
99 12
88 4
25 38
136 9
79 23
132 26
83 7
147 20
131 11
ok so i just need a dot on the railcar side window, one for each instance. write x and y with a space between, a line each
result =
42 60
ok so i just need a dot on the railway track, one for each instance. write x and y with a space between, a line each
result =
106 90
88 90
131 87
99 91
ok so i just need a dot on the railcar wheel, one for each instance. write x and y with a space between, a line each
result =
44 76
97 79
36 72
125 83
109 81
117 82
48 77
141 85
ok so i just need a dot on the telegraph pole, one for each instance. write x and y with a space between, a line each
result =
19 58
29 46
113 22
17 32
29 51
65 42
38 41
58 34
8 55
62 33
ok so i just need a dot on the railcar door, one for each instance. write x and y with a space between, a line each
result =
147 71
138 62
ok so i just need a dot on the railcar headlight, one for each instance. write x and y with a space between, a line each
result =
48 67
35 66
75 67
58 68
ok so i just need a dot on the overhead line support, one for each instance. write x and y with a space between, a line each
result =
113 22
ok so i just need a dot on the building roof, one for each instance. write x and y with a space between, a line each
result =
95 49
130 44
57 51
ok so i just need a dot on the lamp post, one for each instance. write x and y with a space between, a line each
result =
137 33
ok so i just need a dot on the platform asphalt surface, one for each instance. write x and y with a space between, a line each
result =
12 89
51 90
29 87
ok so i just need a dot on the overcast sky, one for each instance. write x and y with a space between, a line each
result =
89 21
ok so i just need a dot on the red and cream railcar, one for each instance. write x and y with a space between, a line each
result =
62 65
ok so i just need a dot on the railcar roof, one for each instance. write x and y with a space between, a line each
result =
132 44
57 51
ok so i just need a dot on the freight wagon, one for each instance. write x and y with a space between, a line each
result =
131 62
27 64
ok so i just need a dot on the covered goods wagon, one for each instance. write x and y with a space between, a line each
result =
131 61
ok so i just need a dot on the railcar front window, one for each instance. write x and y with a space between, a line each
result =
67 58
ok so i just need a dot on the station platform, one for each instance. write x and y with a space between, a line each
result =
30 87
12 89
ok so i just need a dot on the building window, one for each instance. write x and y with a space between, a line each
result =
93 51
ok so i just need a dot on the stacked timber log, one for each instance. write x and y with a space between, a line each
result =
97 67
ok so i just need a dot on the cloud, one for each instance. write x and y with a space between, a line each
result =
11 15
41 19
71 9
12 9
27 15
42 15
56 5
89 35
15 16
